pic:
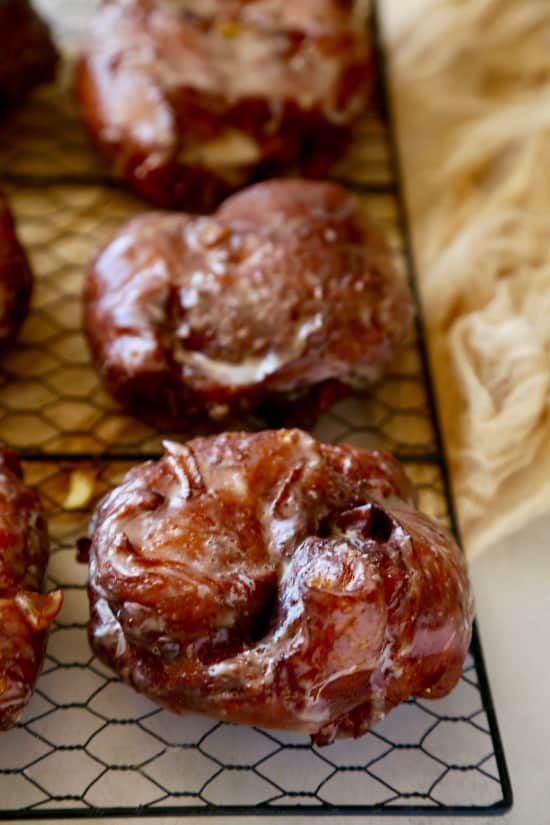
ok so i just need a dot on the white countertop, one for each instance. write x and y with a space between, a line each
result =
512 585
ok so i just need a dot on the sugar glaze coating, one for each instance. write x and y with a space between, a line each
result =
273 580
25 613
286 291
192 100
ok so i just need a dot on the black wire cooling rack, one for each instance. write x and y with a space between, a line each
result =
88 746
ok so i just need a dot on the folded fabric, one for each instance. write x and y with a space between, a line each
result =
470 88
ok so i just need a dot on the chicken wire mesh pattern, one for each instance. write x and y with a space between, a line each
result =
87 741
51 398
88 744
51 128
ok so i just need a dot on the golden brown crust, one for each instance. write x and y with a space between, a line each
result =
288 290
190 101
24 612
273 580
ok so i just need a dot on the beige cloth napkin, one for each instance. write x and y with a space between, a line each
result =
470 83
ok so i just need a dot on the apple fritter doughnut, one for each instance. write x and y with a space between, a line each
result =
192 100
284 298
25 613
273 580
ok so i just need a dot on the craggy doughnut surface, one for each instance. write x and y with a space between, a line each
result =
273 580
15 278
24 612
191 99
286 294
27 54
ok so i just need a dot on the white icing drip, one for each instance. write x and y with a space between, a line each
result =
248 371
231 148
150 281
239 60
308 327
133 351
107 629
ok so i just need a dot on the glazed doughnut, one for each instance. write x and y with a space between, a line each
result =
192 100
15 278
27 54
273 580
284 297
25 613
